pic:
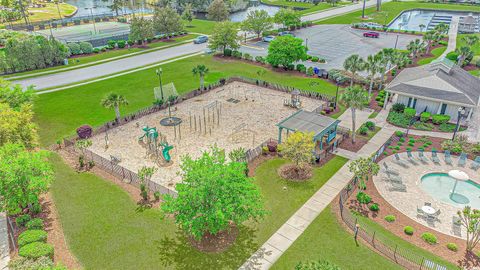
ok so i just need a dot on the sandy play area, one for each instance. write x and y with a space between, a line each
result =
248 117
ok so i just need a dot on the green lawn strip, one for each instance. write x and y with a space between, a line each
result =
436 52
58 114
90 60
342 109
100 219
475 48
390 10
370 133
475 72
326 239
200 26
373 115
382 234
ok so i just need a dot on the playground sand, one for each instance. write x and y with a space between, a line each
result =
247 123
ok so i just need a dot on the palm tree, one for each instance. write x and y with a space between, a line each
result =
386 56
354 63
355 98
470 40
422 26
464 53
414 47
114 101
200 70
441 29
372 66
429 37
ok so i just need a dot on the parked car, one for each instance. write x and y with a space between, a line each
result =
268 38
371 34
200 39
286 33
370 25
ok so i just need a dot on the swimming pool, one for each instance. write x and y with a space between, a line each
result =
440 185
424 20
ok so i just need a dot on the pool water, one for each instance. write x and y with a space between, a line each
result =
411 20
440 185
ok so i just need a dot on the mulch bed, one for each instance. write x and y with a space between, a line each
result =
291 172
216 243
353 147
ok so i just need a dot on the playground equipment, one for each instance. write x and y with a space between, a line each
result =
166 151
242 134
150 138
208 120
294 101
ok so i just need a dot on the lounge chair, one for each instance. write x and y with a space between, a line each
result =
399 161
427 204
448 157
392 178
435 158
397 187
422 157
389 170
462 160
411 158
476 163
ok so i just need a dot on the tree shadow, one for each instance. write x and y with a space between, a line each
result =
177 252
469 261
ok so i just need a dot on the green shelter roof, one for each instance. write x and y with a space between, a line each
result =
308 122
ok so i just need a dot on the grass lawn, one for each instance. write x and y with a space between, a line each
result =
304 7
48 12
60 113
475 48
370 133
72 62
391 9
387 237
475 72
436 52
200 26
326 239
100 219
373 115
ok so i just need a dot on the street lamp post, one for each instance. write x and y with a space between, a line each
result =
336 95
159 74
93 19
398 34
461 113
58 9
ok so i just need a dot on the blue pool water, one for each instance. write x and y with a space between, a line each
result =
440 185
411 20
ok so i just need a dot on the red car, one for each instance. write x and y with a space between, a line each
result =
371 34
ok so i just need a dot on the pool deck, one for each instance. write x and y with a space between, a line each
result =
408 200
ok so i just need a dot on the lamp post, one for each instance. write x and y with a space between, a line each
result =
336 94
159 74
461 113
398 34
93 19
58 9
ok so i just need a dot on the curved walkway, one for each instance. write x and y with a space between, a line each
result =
407 200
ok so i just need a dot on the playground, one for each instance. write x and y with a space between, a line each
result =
87 32
232 116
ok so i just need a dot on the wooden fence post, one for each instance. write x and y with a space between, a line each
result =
395 253
373 239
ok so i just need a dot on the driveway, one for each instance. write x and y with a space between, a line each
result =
335 43
108 68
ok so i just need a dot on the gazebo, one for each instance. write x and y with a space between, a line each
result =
303 121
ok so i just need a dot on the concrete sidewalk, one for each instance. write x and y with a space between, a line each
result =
4 246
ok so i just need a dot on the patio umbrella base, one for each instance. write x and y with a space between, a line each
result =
459 198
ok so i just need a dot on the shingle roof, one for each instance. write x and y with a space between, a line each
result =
440 80
307 122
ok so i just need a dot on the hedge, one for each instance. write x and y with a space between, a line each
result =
439 119
36 250
31 236
425 116
35 224
410 112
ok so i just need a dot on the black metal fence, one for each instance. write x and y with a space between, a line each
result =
11 231
388 248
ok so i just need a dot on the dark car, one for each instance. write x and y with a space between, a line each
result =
371 34
200 39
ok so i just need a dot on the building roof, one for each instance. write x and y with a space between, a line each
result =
308 122
439 81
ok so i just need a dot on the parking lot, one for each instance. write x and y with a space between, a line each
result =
335 43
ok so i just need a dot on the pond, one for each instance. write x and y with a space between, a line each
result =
240 16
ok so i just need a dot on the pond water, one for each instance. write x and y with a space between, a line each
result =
440 186
411 20
242 15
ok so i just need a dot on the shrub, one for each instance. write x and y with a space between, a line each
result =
22 220
316 265
452 247
423 126
260 59
36 250
247 56
363 130
370 125
96 50
130 42
31 236
310 71
362 197
290 67
425 116
41 263
453 56
86 47
397 148
237 54
401 139
399 134
374 207
111 43
429 238
35 224
315 59
121 44
410 112
398 119
408 230
390 218
156 195
398 107
36 208
74 48
439 119
227 52
300 67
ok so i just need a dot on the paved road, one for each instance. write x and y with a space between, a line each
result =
337 11
108 68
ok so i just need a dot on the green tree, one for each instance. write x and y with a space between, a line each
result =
187 13
82 145
441 29
355 98
225 36
429 37
218 11
363 169
14 95
145 174
372 66
166 20
354 63
386 56
415 47
25 176
298 148
201 71
140 29
287 17
470 40
214 194
286 50
257 21
115 5
470 220
465 55
17 126
114 101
